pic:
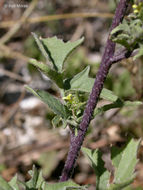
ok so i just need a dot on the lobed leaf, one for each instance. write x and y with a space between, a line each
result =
58 50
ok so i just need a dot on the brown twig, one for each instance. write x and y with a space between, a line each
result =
12 75
16 26
5 51
6 24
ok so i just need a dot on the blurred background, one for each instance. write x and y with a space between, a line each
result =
26 133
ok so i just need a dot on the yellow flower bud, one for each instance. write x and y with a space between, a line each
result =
134 6
68 97
136 11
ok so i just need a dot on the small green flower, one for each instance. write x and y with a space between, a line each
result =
74 104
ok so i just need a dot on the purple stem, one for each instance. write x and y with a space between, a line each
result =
122 54
76 141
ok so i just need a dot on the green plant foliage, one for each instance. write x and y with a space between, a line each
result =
130 32
127 33
52 74
117 104
73 90
124 160
56 121
120 186
125 172
11 185
131 188
14 183
69 110
82 82
68 185
40 45
58 50
54 104
102 175
37 182
140 52
4 185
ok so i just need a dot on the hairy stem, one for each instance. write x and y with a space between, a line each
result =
123 54
76 141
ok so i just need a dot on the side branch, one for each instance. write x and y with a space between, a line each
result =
122 54
76 141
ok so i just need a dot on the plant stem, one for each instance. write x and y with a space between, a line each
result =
122 54
76 141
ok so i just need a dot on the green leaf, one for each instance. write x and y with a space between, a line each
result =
140 52
107 107
68 185
108 95
134 103
82 82
54 104
116 155
52 74
56 120
125 161
40 45
58 50
102 175
129 33
121 185
117 104
124 26
36 180
4 185
14 183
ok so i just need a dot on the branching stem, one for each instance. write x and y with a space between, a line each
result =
76 141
